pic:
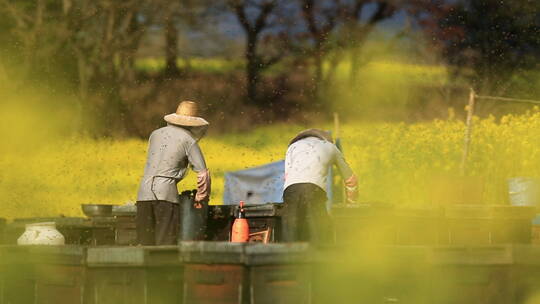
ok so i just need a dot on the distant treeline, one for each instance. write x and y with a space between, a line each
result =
290 53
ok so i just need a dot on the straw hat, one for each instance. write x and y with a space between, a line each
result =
186 115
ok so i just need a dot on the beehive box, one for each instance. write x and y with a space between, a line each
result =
43 274
475 275
512 224
133 275
527 273
214 272
222 272
535 231
279 273
488 224
367 223
371 274
419 226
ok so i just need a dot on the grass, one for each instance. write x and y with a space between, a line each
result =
393 71
205 65
378 68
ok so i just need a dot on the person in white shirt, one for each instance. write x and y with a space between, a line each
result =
309 156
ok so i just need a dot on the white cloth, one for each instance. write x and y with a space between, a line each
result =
257 185
308 160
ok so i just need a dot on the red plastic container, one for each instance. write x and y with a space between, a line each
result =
240 228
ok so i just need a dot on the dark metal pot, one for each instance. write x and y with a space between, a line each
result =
194 218
94 210
124 210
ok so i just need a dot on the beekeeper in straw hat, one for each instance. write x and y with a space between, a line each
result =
171 150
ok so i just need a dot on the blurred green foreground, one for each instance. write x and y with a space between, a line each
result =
276 273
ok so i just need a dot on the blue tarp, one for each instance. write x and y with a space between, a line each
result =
260 185
256 185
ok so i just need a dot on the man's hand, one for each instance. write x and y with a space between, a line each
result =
351 187
203 186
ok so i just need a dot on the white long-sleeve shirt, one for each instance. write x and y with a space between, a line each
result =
308 160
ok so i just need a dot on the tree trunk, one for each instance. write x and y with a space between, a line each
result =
333 63
127 59
31 42
171 47
116 116
319 77
355 66
253 69
83 93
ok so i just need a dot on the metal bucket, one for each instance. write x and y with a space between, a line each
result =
193 219
524 191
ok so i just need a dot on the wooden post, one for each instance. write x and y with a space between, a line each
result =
337 141
468 132
336 126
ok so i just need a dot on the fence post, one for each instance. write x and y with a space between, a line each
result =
468 131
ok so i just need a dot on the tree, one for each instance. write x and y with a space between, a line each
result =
27 30
106 35
171 38
355 31
336 25
486 41
93 41
178 13
256 17
320 20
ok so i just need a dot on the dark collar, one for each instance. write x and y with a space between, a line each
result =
312 133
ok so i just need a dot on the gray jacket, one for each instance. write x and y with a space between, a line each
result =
170 150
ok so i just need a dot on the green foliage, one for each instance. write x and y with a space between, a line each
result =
495 39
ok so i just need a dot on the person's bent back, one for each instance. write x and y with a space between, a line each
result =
309 156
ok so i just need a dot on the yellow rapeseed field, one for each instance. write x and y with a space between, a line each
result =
396 163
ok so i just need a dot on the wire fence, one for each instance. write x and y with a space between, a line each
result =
469 122
507 99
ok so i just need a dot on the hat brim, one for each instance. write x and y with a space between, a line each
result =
187 121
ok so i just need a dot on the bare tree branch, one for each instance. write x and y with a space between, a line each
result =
265 10
21 19
239 8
